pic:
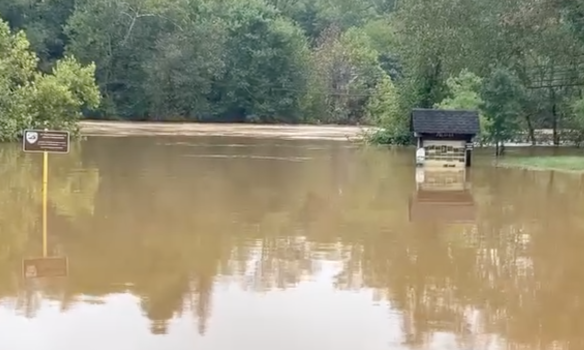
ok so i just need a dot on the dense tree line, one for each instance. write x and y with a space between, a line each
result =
316 61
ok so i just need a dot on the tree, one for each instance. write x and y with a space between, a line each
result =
383 40
576 122
29 98
502 95
118 36
345 72
386 109
58 99
435 40
308 61
42 21
265 59
464 94
383 108
184 63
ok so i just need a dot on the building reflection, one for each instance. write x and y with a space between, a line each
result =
442 195
505 269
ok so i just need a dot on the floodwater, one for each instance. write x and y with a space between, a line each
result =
241 243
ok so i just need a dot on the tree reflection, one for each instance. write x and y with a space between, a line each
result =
502 276
170 223
20 204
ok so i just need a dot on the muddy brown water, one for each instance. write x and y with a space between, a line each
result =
241 243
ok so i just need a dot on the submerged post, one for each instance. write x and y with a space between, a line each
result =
45 142
45 195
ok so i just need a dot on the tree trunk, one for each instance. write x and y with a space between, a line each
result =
555 137
530 129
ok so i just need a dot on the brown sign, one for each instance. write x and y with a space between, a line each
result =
45 267
51 141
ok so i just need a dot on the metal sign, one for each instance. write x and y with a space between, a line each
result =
51 141
45 267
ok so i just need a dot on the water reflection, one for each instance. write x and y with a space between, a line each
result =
222 244
442 195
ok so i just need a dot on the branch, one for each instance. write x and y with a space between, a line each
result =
141 15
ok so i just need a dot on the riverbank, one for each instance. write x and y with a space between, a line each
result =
558 163
316 132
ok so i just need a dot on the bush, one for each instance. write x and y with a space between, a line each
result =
31 99
389 137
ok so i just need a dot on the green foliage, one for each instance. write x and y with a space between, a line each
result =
578 109
464 92
345 72
383 107
389 137
29 98
576 121
265 66
383 40
502 95
301 61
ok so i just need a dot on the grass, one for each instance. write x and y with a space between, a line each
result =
559 163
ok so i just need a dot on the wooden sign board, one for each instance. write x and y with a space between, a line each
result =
45 267
51 141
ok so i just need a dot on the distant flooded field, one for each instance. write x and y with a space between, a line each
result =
222 243
322 132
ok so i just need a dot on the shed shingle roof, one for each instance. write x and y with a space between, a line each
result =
445 121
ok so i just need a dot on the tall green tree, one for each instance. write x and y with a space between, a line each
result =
345 73
383 107
118 36
502 95
266 60
464 93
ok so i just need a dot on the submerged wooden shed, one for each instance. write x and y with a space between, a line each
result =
445 135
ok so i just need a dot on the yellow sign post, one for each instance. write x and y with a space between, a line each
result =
45 199
45 141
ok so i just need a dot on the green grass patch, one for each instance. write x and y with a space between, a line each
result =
560 163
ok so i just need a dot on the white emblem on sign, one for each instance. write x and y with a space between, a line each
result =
32 137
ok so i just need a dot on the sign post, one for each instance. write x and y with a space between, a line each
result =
45 141
45 199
